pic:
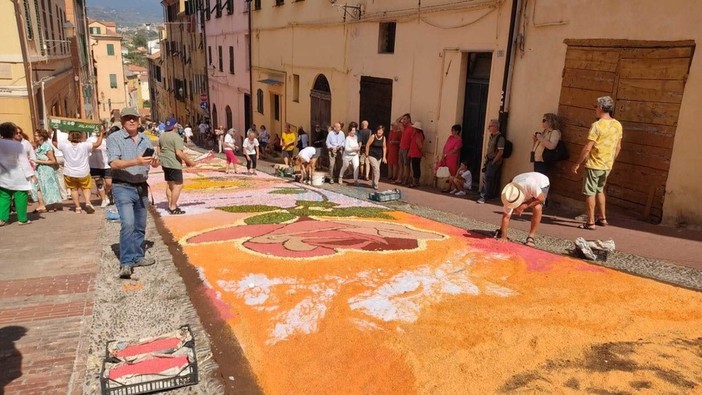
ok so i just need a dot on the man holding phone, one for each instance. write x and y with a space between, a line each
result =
130 154
172 157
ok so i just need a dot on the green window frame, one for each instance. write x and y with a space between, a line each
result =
110 50
113 80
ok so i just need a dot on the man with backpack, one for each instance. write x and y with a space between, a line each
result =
493 162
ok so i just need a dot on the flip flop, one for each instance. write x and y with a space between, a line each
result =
601 222
587 226
176 211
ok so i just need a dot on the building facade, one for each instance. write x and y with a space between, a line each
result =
106 46
572 52
186 78
76 16
227 28
37 77
443 62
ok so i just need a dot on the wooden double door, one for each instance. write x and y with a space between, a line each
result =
647 82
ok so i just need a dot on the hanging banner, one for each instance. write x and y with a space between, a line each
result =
74 124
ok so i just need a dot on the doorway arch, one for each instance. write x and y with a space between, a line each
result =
215 119
228 114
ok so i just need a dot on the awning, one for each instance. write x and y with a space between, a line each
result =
271 81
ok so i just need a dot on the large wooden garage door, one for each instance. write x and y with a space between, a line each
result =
647 81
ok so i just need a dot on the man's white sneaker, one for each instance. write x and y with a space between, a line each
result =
105 202
461 193
453 191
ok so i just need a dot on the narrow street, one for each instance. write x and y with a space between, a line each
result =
327 293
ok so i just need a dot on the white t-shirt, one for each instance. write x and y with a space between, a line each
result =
203 128
250 146
76 158
230 140
28 150
306 154
61 137
98 158
467 179
532 184
351 147
188 131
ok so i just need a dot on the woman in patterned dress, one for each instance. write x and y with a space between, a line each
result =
47 180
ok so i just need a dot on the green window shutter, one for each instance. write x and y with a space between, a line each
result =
110 49
113 80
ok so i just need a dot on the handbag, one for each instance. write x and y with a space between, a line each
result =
532 157
556 154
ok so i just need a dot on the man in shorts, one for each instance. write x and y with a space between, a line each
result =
405 142
604 141
526 191
100 171
307 160
172 158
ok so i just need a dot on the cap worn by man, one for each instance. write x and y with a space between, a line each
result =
170 124
129 112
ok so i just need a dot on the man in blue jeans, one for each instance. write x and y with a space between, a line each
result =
493 162
130 171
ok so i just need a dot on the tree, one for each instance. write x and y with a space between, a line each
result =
139 40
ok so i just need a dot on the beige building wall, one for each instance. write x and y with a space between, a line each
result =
428 66
538 77
430 62
110 96
315 45
38 81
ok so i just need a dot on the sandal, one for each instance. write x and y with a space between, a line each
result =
78 211
530 242
601 222
27 222
176 211
39 210
587 226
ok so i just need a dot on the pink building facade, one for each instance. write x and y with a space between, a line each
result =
227 53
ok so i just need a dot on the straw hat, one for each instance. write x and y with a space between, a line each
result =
417 125
512 196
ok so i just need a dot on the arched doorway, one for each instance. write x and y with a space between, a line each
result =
320 109
215 119
228 112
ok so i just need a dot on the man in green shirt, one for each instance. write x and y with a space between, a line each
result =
172 157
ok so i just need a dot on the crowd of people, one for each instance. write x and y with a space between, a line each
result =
116 162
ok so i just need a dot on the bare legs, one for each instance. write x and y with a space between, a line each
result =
173 193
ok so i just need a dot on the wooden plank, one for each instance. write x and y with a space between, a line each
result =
638 159
647 112
657 53
655 69
576 116
593 55
590 65
588 79
621 43
664 91
582 98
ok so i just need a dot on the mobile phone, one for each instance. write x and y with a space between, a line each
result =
148 152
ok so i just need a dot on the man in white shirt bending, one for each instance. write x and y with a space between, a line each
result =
526 191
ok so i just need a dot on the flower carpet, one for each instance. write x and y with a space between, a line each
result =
330 294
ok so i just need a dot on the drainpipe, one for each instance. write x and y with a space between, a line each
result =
43 104
251 98
509 67
27 67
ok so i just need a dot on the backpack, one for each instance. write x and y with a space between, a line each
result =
556 154
507 152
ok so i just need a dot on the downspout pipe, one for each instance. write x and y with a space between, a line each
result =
509 67
27 69
251 98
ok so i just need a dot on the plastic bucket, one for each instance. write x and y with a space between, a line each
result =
318 178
